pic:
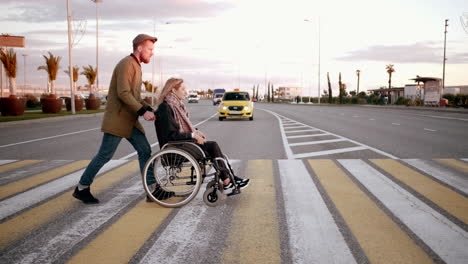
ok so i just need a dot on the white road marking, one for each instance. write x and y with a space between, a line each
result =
371 119
317 142
428 129
313 234
396 124
327 152
446 117
313 135
157 143
291 155
26 199
465 160
39 139
457 181
91 218
445 238
299 131
293 127
3 162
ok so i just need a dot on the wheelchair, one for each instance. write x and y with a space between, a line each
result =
181 167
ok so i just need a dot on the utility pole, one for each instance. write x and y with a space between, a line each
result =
445 44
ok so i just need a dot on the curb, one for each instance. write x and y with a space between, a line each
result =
48 119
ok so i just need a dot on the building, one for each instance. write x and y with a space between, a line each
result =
289 92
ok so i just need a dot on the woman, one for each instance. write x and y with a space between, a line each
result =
173 124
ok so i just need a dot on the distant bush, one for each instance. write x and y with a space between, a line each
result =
31 101
402 101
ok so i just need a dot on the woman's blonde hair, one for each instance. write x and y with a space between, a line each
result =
171 83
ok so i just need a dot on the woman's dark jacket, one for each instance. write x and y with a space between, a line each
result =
167 128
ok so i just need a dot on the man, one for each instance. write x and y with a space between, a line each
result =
124 106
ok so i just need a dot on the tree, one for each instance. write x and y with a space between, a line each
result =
52 66
358 73
8 59
76 70
272 94
256 96
340 85
390 70
148 86
253 92
268 97
90 73
330 95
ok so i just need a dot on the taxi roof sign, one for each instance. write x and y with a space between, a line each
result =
11 41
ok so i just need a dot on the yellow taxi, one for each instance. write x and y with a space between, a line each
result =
236 104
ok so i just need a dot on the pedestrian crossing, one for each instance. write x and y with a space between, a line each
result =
294 211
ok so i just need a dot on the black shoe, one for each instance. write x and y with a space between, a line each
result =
160 195
242 183
85 196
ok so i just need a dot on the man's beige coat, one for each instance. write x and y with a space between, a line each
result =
124 99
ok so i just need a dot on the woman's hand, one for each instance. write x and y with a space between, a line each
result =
199 137
201 134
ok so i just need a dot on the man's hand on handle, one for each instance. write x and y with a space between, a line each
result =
149 116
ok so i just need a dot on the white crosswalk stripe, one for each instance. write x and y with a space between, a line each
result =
447 239
313 236
315 233
23 200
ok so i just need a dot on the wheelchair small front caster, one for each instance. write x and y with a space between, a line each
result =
211 197
211 184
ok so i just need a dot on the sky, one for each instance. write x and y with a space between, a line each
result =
241 43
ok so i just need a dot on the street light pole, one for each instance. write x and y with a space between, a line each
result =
97 46
319 60
445 43
70 67
24 73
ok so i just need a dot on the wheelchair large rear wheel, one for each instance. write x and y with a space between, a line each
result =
176 173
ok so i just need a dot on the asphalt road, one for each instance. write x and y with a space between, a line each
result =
398 133
328 185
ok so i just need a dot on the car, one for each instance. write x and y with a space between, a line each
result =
193 98
236 104
217 98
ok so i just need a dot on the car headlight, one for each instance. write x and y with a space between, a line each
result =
246 108
224 107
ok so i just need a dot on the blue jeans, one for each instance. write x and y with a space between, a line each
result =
106 152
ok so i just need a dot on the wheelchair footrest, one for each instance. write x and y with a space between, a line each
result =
234 192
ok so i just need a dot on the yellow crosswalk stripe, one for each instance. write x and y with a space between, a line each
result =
444 197
33 181
20 225
457 164
128 234
16 165
380 238
254 230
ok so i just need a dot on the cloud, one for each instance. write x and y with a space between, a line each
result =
55 10
427 52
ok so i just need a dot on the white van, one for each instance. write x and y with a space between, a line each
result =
193 98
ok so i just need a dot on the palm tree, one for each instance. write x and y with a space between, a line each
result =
8 59
148 86
390 70
90 73
76 69
52 66
358 73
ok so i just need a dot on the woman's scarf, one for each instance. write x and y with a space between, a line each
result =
180 113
